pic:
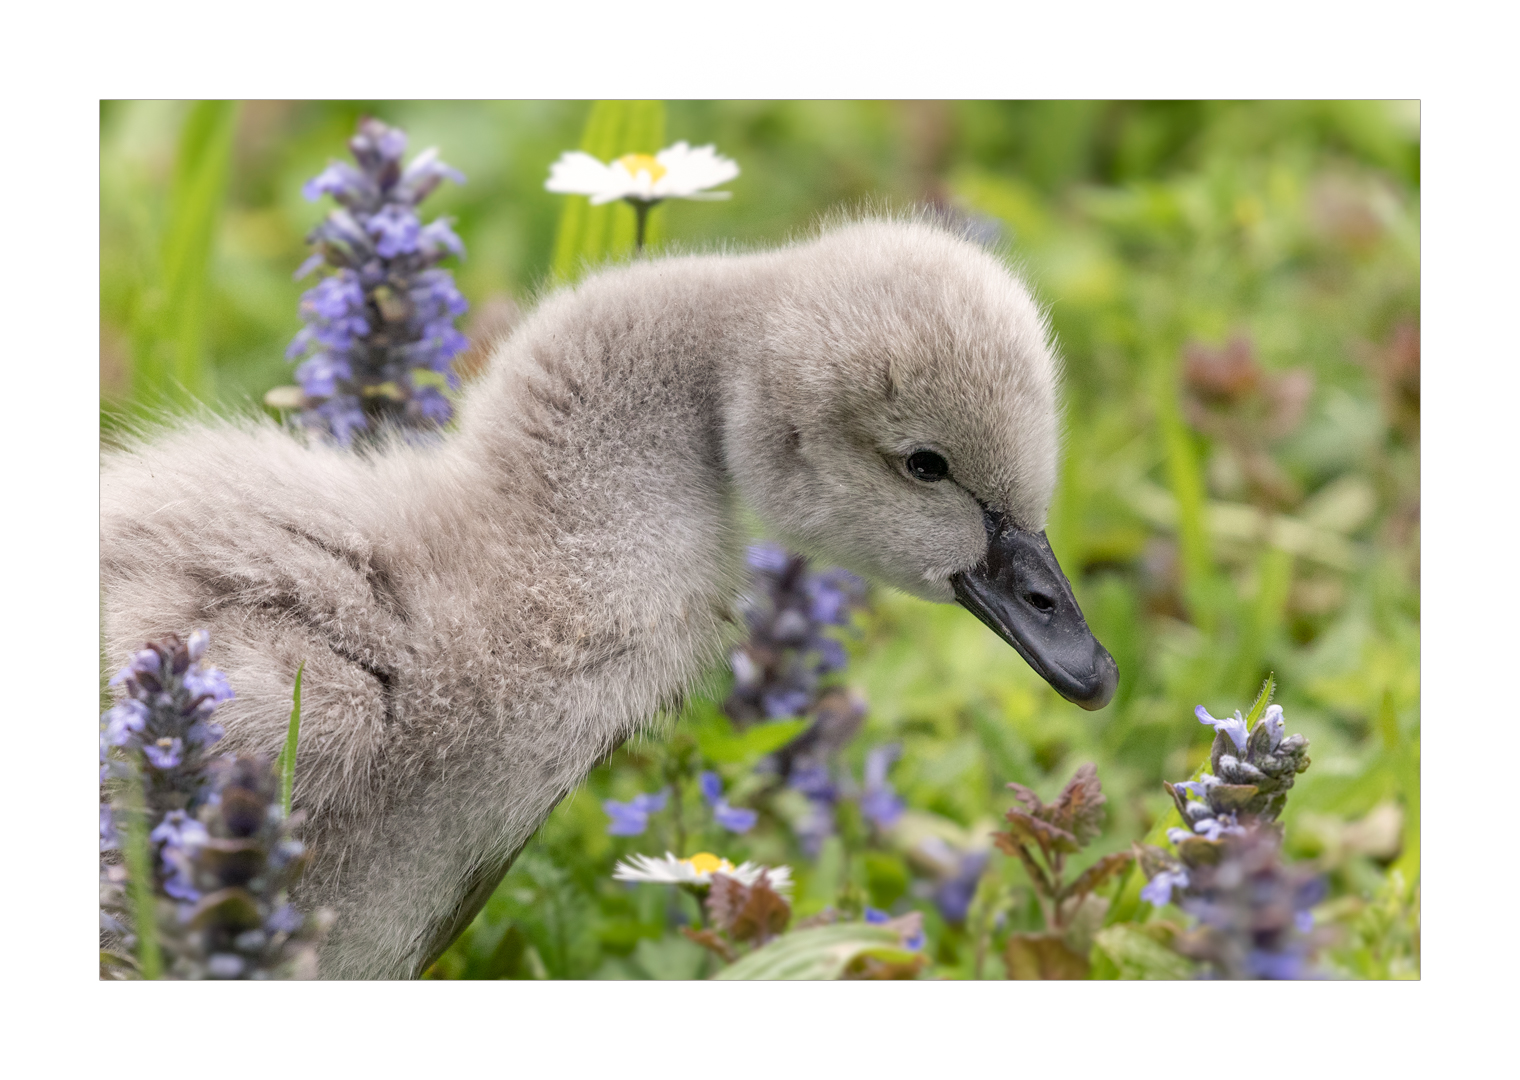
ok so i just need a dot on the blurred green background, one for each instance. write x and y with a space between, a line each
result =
1234 288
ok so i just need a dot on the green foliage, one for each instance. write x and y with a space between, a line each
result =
169 325
285 764
1149 231
822 952
138 855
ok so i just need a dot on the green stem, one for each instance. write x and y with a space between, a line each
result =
641 210
287 762
138 855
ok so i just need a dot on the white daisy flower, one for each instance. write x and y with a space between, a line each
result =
698 871
676 172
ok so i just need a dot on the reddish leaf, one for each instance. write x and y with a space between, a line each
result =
1079 808
709 940
868 967
1098 873
1030 800
755 913
1043 956
1034 830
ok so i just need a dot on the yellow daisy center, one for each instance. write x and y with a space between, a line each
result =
705 862
635 164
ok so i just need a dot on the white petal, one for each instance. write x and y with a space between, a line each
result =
578 173
689 171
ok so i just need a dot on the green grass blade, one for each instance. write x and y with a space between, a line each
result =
1185 478
169 363
1263 699
286 765
822 952
138 856
589 234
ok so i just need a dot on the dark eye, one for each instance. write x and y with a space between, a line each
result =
927 465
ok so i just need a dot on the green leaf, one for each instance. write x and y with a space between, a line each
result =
721 744
169 331
1263 699
285 765
138 854
1125 952
589 234
822 952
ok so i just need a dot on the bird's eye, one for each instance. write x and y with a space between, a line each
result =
927 465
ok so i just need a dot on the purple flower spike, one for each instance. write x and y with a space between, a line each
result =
1233 726
388 310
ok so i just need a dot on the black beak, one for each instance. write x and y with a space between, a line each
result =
1019 591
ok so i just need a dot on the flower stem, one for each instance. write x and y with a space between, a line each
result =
641 211
138 855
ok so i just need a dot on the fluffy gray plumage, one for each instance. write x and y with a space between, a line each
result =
485 620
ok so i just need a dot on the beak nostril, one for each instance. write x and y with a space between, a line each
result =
1039 601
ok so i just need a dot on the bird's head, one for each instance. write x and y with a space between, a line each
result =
897 415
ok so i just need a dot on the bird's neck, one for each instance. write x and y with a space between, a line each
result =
601 421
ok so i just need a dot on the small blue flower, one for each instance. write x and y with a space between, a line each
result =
208 683
430 403
1273 722
108 837
733 818
438 238
1216 827
165 753
1199 788
953 894
124 720
632 818
1263 964
343 416
424 174
396 231
768 558
1234 726
343 182
284 920
1159 890
879 802
712 787
813 780
179 836
225 965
